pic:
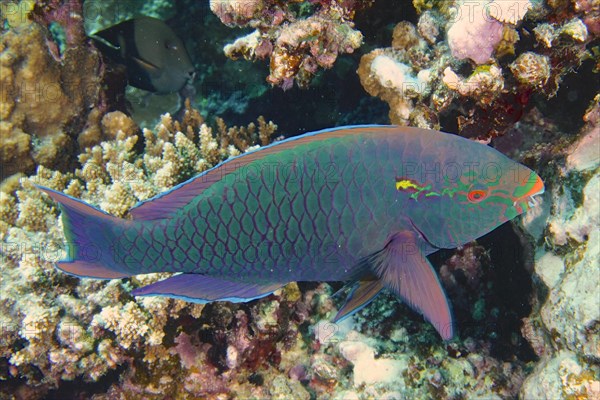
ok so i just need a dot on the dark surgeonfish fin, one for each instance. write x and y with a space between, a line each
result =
112 41
148 66
360 296
203 289
402 268
118 43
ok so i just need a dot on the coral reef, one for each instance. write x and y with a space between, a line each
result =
474 35
472 74
298 36
387 73
279 347
531 69
525 298
102 15
85 328
50 87
563 328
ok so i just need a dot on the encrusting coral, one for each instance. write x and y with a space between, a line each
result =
297 36
478 27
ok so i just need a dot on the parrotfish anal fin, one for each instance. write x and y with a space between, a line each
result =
204 289
359 297
403 268
86 269
165 205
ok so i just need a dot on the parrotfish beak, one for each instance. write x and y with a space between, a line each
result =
537 188
531 191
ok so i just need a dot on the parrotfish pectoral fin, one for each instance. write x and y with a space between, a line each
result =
403 268
205 289
362 294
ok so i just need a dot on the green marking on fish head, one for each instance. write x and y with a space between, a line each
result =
468 194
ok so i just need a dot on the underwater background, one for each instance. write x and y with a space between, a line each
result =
520 75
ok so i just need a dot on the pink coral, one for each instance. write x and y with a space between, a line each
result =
67 13
474 35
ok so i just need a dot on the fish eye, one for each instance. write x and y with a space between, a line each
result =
476 195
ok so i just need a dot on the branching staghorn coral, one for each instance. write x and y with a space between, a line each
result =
297 36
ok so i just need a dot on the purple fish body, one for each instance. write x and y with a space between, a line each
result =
364 204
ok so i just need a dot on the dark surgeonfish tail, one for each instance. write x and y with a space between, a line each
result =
89 233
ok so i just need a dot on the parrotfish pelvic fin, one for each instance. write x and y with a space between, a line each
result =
360 296
402 267
204 289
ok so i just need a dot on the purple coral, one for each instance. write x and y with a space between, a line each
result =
67 13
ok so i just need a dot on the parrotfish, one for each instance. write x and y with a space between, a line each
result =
363 204
155 58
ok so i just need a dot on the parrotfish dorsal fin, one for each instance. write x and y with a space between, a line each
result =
166 204
403 268
203 289
359 297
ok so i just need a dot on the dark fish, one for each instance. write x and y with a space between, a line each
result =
155 57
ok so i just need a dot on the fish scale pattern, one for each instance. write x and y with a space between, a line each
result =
309 216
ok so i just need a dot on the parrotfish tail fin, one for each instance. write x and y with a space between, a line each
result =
204 289
361 294
403 268
89 232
